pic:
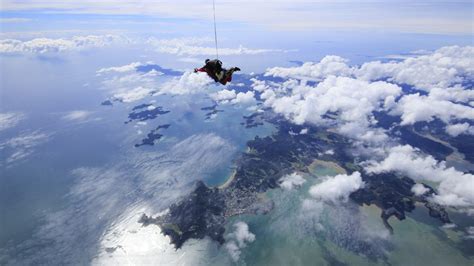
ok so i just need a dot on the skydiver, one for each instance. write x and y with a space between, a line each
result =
214 69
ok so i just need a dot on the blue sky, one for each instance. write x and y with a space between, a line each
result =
427 16
358 30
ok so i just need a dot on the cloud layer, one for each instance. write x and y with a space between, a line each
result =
102 198
424 16
49 46
375 86
10 120
22 146
200 46
455 188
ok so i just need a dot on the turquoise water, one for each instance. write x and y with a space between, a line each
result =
291 235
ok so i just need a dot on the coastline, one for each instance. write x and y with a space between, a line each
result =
228 181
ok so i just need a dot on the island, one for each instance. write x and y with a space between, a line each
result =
153 136
145 112
212 111
206 210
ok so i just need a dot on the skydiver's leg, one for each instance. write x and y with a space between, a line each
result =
228 74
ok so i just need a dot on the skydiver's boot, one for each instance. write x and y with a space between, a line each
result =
231 71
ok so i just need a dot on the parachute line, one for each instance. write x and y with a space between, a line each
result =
215 27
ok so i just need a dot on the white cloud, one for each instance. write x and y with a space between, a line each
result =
329 152
356 101
329 65
451 17
289 182
128 242
121 69
21 147
133 95
124 81
128 85
230 96
442 68
104 203
244 98
238 240
415 108
223 95
458 129
359 94
46 45
456 94
419 189
77 115
337 188
188 83
194 47
10 120
455 188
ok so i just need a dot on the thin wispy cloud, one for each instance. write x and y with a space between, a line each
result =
19 148
48 45
426 16
10 120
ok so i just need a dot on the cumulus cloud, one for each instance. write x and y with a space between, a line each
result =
46 45
456 93
415 108
195 47
120 69
455 188
442 68
223 95
329 65
10 120
374 86
129 85
419 189
338 188
133 95
188 83
21 147
458 129
329 152
230 96
238 240
289 182
352 111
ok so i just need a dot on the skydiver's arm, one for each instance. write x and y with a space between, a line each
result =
202 69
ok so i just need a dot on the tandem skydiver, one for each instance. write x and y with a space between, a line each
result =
214 69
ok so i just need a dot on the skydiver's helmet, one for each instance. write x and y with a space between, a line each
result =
207 61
